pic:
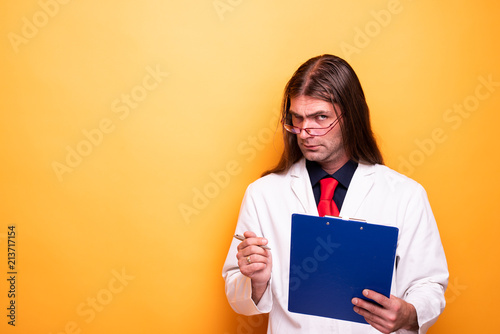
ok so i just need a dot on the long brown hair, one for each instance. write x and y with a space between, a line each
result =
331 79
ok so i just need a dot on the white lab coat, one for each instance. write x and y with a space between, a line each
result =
376 194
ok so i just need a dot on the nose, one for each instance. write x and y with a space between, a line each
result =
303 133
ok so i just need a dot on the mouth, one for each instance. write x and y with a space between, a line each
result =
310 146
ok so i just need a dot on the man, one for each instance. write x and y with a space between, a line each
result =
328 139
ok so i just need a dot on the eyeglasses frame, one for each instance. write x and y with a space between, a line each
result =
307 130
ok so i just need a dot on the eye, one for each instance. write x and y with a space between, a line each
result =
322 117
296 119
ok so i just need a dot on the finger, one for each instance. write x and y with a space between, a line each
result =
249 234
257 259
253 258
365 312
250 241
261 241
377 297
252 263
252 249
263 255
369 310
245 243
246 250
371 318
366 305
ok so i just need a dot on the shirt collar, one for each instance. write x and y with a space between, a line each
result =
344 174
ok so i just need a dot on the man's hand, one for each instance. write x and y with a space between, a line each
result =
255 262
394 314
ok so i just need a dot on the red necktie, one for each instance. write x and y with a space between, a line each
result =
327 206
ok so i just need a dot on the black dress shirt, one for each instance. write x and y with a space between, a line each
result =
343 176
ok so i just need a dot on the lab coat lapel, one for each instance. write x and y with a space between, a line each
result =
361 184
301 187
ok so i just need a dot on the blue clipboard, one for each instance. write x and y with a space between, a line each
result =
332 260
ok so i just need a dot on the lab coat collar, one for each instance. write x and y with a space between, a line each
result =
301 186
360 186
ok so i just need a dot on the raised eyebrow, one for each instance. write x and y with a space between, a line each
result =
314 114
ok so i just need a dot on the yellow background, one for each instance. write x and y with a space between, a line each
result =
132 238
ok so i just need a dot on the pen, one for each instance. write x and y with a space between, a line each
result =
240 237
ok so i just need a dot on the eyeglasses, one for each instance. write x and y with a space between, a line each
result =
315 132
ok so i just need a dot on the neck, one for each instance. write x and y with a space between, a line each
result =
333 166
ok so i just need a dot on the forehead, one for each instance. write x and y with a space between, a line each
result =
306 105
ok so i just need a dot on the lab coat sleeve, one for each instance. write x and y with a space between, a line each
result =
238 286
422 271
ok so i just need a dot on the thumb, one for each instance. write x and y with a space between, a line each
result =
249 234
